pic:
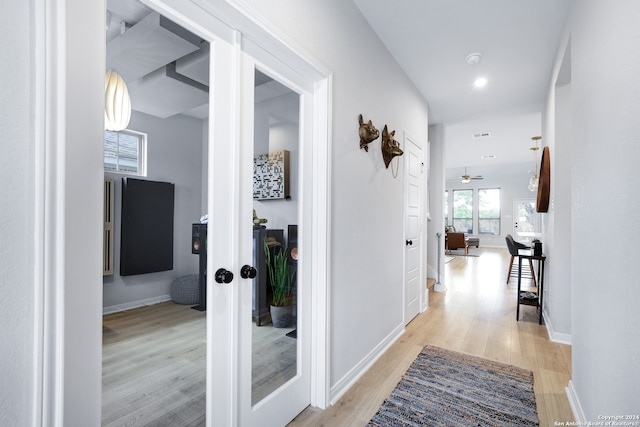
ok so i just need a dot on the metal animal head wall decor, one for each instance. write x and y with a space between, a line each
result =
368 133
390 147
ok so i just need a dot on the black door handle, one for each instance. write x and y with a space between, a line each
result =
409 242
223 276
248 272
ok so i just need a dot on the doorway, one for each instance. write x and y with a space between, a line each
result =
526 221
414 283
229 183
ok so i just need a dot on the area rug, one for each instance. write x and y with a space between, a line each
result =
446 388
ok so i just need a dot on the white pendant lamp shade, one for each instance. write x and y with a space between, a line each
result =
117 104
533 181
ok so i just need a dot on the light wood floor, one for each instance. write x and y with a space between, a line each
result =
476 315
163 385
153 365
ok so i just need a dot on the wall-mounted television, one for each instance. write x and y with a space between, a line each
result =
146 239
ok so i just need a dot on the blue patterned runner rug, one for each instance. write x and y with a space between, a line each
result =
446 388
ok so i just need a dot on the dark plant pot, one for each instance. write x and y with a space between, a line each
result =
281 316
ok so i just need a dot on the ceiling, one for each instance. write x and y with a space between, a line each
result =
517 41
166 68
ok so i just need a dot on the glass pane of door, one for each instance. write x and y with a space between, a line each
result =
275 232
526 221
273 356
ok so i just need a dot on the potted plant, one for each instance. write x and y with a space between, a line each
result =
281 278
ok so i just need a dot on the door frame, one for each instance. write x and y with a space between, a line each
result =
60 356
537 220
422 294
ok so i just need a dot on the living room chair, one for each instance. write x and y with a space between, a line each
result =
514 249
456 240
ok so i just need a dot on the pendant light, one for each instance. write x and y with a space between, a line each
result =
533 182
117 104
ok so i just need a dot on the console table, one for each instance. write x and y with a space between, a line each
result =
537 301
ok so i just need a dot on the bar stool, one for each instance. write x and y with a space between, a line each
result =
514 249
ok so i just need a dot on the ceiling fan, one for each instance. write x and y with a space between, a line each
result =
466 178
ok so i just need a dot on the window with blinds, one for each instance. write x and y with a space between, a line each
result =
124 152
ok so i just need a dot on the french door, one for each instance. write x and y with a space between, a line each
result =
257 375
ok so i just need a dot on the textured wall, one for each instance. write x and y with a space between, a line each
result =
605 198
17 209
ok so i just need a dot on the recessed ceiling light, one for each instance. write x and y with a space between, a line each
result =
480 82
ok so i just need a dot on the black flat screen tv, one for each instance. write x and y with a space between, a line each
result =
146 238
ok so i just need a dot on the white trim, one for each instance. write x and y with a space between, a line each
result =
50 108
554 336
39 50
320 329
135 304
350 378
574 402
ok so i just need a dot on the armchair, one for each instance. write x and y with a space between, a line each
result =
456 240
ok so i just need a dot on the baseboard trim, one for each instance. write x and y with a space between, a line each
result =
347 381
574 402
135 304
554 336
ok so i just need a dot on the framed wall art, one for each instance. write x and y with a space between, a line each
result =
271 176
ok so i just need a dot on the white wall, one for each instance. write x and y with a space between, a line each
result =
174 154
512 185
436 201
605 91
557 135
367 242
17 215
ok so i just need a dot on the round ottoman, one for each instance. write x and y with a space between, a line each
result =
185 290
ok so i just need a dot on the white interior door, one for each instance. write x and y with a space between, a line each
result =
230 245
274 362
414 187
258 375
526 221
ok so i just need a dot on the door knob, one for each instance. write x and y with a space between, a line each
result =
248 272
409 242
223 276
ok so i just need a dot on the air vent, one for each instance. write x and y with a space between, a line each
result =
481 135
488 156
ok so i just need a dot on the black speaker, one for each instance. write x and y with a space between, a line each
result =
292 243
198 237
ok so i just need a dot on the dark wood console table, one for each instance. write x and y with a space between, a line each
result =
537 301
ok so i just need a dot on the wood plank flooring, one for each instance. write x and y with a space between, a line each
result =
476 315
153 367
154 357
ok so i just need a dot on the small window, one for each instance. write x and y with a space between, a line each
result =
125 152
489 211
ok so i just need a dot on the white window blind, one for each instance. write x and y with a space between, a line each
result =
124 152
